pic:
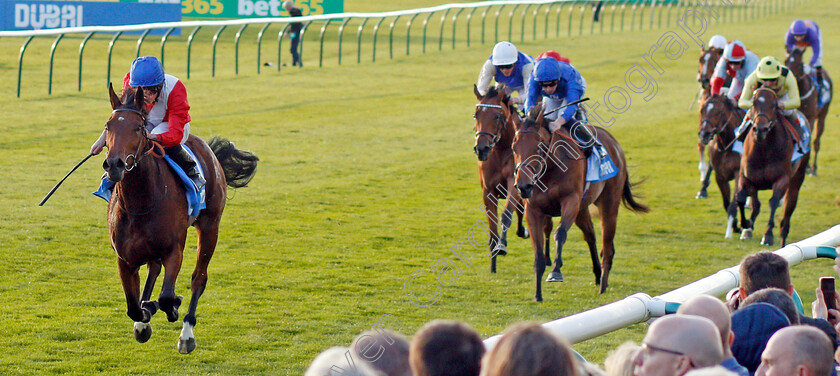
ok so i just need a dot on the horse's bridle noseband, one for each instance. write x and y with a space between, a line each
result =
497 135
541 148
136 156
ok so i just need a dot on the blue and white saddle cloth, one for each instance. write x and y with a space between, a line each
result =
599 165
823 91
195 198
799 150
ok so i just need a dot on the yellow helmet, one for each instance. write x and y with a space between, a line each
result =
769 68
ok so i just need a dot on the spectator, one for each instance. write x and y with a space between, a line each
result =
338 361
778 298
527 349
714 310
294 32
385 350
676 344
753 326
619 362
767 269
797 350
446 348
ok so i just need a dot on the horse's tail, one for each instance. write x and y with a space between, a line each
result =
239 166
630 200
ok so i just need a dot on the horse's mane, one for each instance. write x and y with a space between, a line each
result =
492 92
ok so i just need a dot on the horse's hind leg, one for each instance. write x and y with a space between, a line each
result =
549 225
791 198
168 301
570 207
584 222
208 235
130 279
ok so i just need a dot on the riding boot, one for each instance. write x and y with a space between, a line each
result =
183 159
584 139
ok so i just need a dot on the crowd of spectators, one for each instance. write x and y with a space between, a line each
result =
757 330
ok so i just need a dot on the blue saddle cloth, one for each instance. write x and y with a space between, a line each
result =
195 198
799 150
599 165
823 91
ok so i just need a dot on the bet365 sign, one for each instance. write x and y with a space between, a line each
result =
249 8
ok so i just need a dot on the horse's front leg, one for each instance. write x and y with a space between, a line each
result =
570 208
130 278
535 225
703 166
547 227
584 222
491 209
705 179
208 235
738 202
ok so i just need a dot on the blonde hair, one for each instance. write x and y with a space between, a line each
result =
619 362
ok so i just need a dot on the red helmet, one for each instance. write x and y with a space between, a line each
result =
735 51
554 54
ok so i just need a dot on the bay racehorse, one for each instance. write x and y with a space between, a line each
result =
809 96
495 123
765 164
147 212
555 165
706 68
718 119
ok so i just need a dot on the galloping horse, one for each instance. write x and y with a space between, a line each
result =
707 62
495 120
765 164
147 212
719 118
555 164
810 98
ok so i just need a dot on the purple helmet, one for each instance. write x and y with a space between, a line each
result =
798 27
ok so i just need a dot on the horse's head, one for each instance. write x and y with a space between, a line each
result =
529 148
126 132
708 59
714 116
793 60
764 112
491 117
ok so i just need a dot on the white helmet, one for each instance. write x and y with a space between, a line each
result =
717 41
504 53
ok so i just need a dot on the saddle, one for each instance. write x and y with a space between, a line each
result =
790 128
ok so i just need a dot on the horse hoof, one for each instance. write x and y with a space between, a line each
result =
500 250
554 277
767 240
746 234
538 298
142 331
186 346
172 316
523 234
603 289
702 194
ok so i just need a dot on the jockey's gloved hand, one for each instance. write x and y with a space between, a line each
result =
517 100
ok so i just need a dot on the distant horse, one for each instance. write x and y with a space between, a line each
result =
555 164
706 68
718 119
147 212
810 97
765 164
495 121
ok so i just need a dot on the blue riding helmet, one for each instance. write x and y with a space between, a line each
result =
547 69
798 27
146 71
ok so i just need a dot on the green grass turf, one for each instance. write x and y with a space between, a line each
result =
367 175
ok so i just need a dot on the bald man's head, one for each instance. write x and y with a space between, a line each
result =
713 309
676 343
813 351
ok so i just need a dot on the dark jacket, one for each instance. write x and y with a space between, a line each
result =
753 326
821 324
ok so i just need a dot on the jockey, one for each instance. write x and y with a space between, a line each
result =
507 66
800 36
772 74
718 42
168 120
738 63
558 84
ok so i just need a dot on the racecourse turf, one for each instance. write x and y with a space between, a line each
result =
366 176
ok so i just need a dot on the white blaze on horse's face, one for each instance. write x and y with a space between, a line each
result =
760 99
121 118
710 107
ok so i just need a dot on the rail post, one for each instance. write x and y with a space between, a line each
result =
189 52
236 48
359 41
391 37
52 56
20 62
259 44
140 41
442 24
321 49
522 30
469 18
375 30
454 22
213 58
408 34
163 45
341 36
110 53
81 53
280 35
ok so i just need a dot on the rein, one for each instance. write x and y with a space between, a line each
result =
496 136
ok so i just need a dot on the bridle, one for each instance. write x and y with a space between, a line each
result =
501 123
705 78
541 147
724 112
771 121
137 155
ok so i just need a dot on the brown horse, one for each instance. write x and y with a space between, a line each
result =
765 164
495 121
706 68
147 212
718 120
810 97
555 164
